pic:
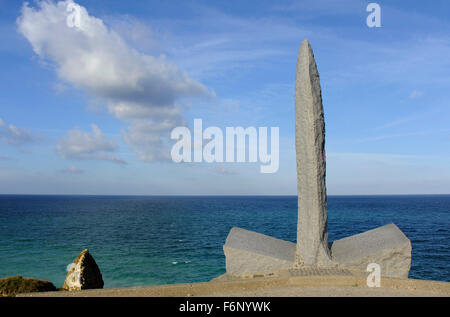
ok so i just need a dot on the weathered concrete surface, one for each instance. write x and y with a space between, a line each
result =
251 252
312 234
386 246
83 274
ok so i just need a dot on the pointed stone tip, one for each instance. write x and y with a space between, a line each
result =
305 45
305 57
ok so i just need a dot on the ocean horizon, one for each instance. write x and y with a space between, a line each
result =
152 240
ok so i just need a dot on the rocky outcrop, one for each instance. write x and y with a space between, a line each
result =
83 273
10 286
251 252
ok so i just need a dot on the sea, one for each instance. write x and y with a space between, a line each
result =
153 240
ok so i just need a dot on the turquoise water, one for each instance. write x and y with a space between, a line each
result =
160 240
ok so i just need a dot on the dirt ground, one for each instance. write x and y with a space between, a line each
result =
277 286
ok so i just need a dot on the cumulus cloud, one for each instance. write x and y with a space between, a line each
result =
11 134
81 145
142 90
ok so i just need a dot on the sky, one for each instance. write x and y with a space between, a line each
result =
90 109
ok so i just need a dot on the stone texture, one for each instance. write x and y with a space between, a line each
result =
83 273
386 246
312 234
11 286
251 252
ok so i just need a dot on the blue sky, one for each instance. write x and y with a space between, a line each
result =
74 121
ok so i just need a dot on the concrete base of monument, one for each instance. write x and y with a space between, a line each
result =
386 246
248 253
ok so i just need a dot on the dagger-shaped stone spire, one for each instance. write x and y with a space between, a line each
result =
249 252
312 234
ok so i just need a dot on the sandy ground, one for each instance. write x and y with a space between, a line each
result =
315 286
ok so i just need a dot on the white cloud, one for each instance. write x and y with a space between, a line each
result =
80 145
11 134
140 89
